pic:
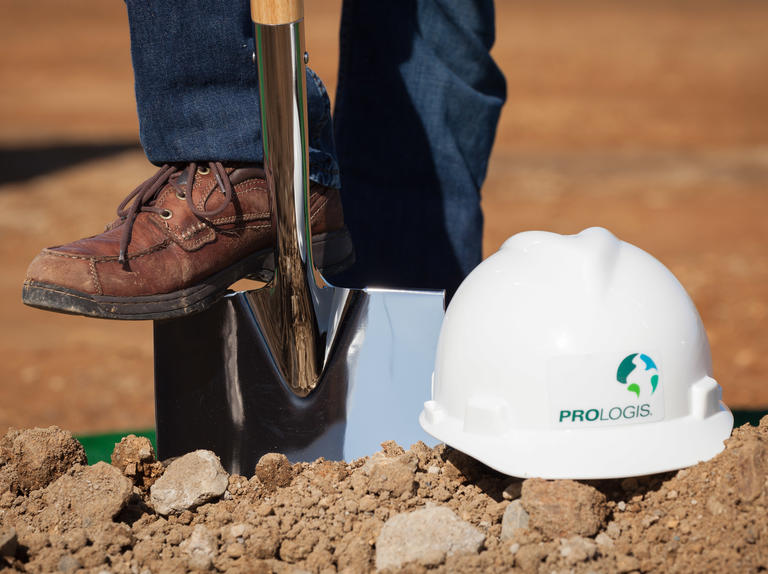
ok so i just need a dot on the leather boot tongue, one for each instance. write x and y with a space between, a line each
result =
241 174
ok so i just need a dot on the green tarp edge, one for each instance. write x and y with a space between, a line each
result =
99 447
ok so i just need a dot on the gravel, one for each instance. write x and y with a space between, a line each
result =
514 517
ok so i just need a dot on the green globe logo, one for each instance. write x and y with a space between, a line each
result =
638 371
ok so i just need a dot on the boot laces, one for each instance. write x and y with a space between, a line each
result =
142 198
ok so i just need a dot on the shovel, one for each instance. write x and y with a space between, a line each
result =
299 366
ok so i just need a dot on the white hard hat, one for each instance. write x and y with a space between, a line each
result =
575 356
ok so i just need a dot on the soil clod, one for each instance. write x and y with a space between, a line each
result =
33 458
274 470
564 507
135 457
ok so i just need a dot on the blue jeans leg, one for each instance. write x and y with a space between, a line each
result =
417 106
196 86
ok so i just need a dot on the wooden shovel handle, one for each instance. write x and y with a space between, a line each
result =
276 12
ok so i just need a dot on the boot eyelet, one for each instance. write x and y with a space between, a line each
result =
181 194
203 170
166 214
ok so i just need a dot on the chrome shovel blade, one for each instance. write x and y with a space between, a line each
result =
391 360
217 387
300 366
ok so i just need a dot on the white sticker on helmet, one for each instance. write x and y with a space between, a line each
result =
606 389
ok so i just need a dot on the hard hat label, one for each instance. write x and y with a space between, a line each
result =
605 389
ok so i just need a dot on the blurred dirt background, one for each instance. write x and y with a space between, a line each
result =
649 118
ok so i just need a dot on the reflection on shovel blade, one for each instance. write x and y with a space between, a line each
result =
218 388
298 367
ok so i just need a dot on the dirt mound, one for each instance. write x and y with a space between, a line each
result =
416 510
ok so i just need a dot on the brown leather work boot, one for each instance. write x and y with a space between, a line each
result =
181 239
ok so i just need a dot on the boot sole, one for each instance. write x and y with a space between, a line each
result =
332 252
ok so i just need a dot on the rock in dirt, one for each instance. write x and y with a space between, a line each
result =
188 482
562 508
604 540
514 517
86 495
577 549
200 548
512 491
33 458
274 470
68 564
392 475
425 536
626 563
751 468
135 457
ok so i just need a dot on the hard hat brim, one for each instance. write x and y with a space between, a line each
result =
590 453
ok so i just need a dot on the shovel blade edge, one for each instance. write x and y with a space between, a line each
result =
218 388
